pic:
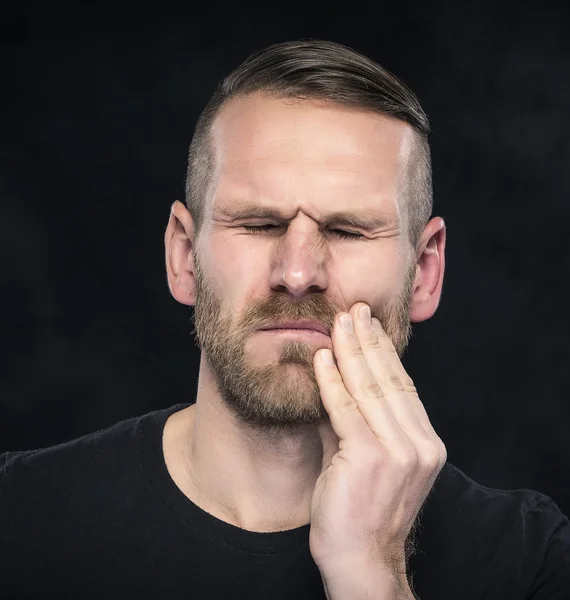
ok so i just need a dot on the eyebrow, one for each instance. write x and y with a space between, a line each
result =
365 220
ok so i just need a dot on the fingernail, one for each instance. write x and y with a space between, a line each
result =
346 322
327 357
364 314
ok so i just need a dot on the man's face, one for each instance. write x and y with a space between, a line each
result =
303 160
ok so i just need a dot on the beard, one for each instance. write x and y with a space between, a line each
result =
284 395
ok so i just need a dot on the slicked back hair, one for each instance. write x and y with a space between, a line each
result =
319 70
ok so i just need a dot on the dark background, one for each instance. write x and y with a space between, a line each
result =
98 109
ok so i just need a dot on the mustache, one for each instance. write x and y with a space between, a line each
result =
280 308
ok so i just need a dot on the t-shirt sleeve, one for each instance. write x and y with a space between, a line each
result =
553 579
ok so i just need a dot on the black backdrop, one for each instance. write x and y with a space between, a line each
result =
98 108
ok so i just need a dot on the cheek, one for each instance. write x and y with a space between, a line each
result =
233 272
244 270
233 258
376 281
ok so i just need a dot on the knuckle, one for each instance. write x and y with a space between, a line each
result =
374 343
392 350
356 349
346 403
391 379
434 457
372 389
443 453
406 459
431 458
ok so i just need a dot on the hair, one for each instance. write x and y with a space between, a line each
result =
319 70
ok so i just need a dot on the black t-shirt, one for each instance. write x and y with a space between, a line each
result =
100 517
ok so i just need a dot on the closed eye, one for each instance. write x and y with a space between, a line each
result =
265 228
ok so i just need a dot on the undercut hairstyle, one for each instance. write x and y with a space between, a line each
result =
320 70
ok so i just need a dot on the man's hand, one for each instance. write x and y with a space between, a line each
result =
381 455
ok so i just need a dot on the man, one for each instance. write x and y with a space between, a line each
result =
308 199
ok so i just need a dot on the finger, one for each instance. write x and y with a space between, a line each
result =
406 381
411 393
377 356
346 420
363 386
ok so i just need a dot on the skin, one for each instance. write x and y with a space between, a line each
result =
248 451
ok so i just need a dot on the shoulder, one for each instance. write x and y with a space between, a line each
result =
69 453
489 518
42 472
457 493
453 486
71 470
504 542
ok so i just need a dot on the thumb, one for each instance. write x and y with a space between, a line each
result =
329 440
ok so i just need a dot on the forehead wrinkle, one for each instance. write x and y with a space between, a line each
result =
245 139
266 194
367 219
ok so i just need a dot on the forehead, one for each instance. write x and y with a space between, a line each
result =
265 142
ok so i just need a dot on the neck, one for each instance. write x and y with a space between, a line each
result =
255 481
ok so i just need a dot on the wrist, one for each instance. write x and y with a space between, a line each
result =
371 582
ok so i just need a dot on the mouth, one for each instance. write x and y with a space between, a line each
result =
308 336
295 330
306 327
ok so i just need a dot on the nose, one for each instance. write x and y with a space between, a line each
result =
299 260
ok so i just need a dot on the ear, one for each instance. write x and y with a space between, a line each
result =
430 266
179 247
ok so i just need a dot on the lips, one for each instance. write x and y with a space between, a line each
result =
312 325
